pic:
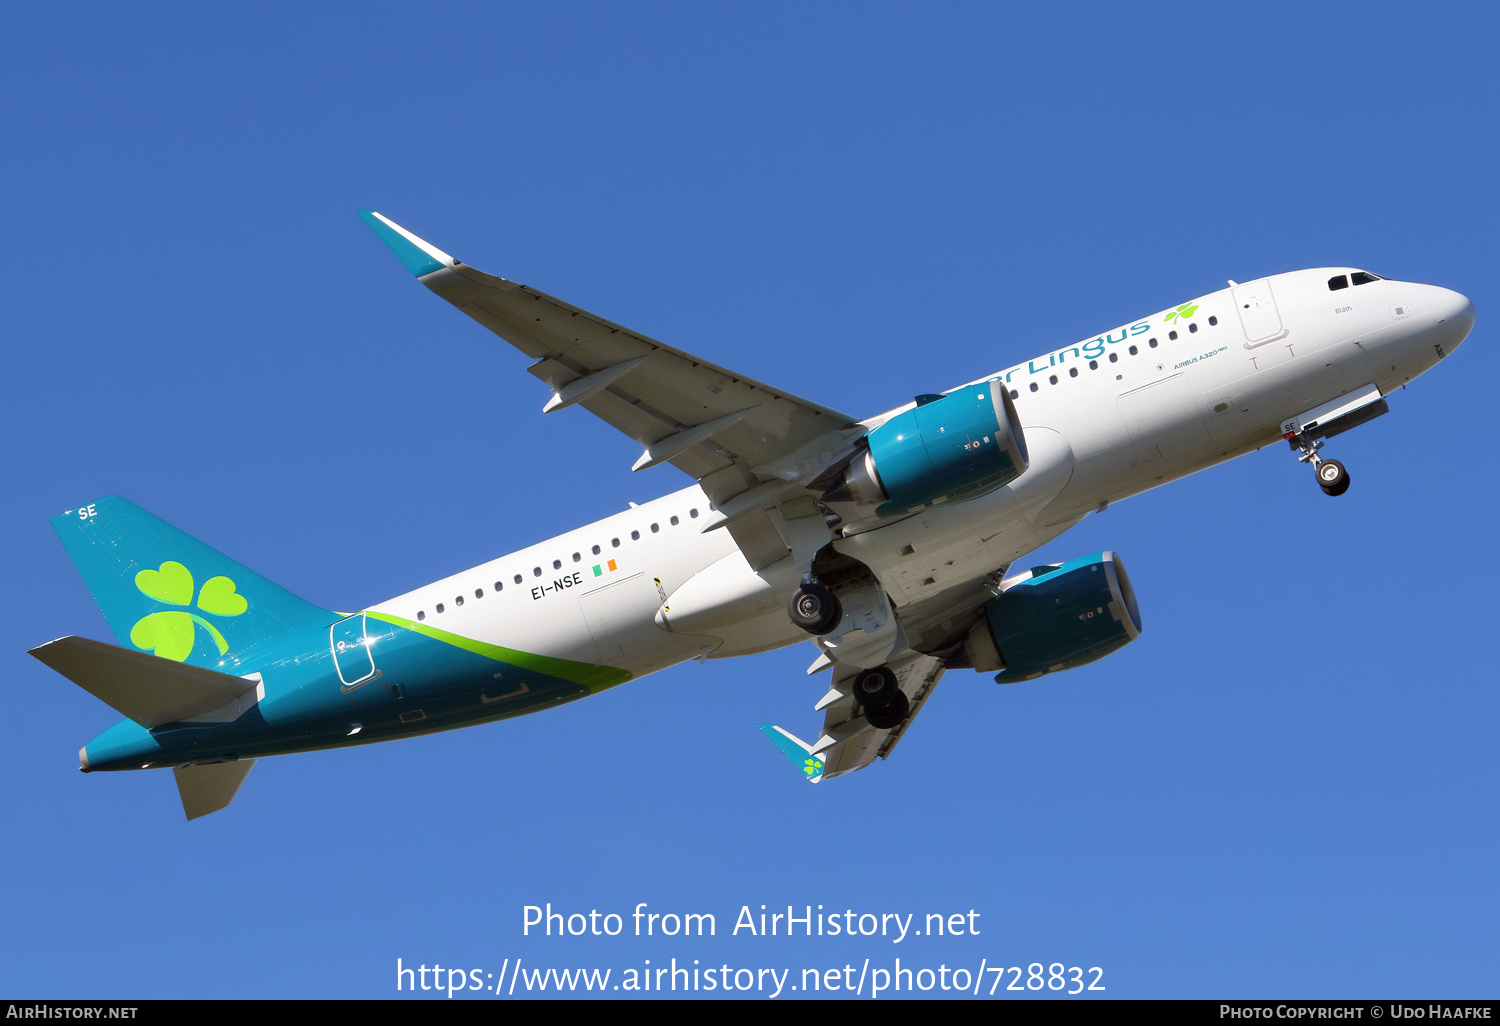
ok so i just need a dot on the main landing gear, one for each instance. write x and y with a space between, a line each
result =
880 696
815 608
1331 475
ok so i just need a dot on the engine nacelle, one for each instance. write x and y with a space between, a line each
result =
1058 618
948 447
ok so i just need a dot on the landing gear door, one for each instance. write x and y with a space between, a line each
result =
351 650
1258 314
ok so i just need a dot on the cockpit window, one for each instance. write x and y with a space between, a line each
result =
1365 277
1338 281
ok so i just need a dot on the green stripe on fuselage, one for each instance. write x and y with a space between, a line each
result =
595 678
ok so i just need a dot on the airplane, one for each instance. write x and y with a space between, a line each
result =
889 541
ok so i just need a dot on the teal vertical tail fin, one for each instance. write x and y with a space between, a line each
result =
165 592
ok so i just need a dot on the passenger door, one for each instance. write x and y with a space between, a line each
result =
1258 314
351 650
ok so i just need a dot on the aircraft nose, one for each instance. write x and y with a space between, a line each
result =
1454 312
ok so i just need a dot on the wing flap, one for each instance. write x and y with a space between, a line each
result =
849 742
917 674
671 392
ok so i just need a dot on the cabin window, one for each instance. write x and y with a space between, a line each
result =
1338 281
655 528
479 593
1033 386
536 571
1093 365
518 578
1152 343
1192 327
557 564
1052 379
635 536
1364 277
675 521
421 614
1172 336
693 513
499 585
1134 351
458 600
577 557
439 607
596 550
1114 357
1212 321
614 543
1014 394
1072 372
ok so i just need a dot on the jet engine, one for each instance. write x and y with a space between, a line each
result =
1058 618
947 447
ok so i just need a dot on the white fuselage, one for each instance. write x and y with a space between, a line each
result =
1107 418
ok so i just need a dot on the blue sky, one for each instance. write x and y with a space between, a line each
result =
1286 787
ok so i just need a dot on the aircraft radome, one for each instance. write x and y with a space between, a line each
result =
891 540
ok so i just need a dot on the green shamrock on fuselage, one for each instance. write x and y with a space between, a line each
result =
171 633
1184 311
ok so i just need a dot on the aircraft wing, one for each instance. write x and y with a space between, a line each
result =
732 433
849 742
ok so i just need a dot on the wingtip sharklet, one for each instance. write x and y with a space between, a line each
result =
417 255
797 750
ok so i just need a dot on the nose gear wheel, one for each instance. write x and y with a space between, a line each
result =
1332 477
1330 474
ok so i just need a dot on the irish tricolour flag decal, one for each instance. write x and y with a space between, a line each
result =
600 569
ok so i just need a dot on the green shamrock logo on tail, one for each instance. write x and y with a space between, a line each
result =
171 633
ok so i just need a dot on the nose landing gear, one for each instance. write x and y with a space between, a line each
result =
1331 475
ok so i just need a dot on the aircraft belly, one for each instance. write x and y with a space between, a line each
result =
619 618
947 545
552 626
1162 417
762 633
1272 393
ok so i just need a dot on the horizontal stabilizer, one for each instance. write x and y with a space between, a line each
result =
209 788
797 750
147 688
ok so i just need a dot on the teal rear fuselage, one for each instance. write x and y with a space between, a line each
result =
421 682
